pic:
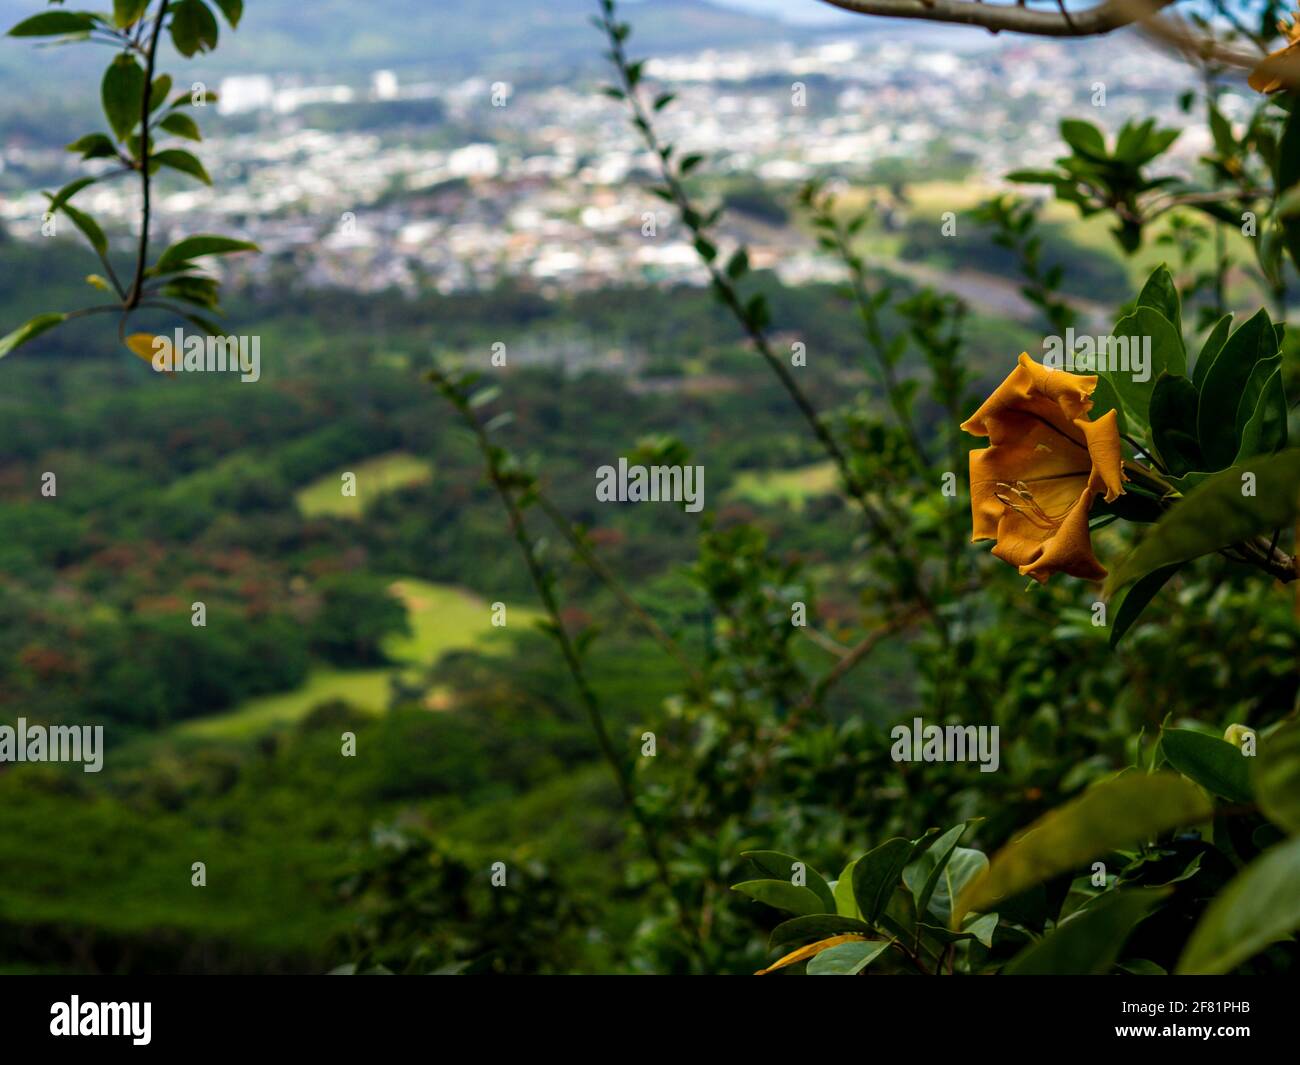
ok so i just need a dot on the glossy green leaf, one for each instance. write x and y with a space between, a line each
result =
1173 423
1161 294
1088 942
1145 327
1210 349
813 927
1215 764
845 904
783 895
876 874
847 959
1116 813
783 866
1259 906
922 876
1217 513
1223 384
1261 414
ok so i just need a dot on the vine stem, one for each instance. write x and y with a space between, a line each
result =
572 659
731 299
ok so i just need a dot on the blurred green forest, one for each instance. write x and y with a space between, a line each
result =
223 742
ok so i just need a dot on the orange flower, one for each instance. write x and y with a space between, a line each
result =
1032 488
1280 69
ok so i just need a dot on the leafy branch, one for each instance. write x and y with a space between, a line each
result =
137 112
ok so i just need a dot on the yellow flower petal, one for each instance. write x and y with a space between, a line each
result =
1032 488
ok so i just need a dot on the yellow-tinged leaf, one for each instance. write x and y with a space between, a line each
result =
811 951
144 346
1118 813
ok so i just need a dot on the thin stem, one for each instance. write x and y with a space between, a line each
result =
726 290
583 550
142 256
572 659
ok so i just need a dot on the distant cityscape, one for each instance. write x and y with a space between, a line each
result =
547 183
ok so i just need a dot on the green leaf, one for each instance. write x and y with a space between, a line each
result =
1213 343
1133 599
847 959
845 904
778 865
1259 906
1215 514
193 27
1088 942
783 895
922 876
89 228
182 161
1105 398
1116 813
1261 414
876 873
1084 138
68 191
122 92
42 323
1146 325
1223 384
1161 294
182 126
52 23
813 927
197 246
1215 764
232 9
1173 423
158 91
127 13
93 146
1276 777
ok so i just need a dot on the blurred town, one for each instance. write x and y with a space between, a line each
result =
458 185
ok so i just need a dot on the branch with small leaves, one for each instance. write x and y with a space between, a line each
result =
137 112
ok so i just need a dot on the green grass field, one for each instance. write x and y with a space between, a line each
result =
793 487
375 476
443 618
